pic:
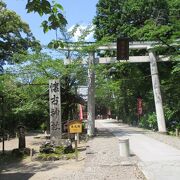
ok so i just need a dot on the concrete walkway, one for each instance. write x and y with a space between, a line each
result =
159 160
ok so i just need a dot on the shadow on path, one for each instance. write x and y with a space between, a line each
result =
16 176
33 167
103 132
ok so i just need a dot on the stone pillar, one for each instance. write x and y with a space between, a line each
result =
91 95
21 135
55 111
157 93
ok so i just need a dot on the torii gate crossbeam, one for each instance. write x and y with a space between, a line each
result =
133 59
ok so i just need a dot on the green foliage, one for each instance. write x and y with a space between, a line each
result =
145 21
59 153
52 10
25 89
148 121
15 35
140 21
118 85
43 126
171 119
128 16
59 150
56 44
54 156
25 85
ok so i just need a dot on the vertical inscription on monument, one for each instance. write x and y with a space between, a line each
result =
55 110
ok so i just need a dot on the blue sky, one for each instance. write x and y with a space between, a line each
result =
75 11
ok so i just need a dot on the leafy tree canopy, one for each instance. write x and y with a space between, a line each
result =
15 35
25 88
143 20
139 20
53 10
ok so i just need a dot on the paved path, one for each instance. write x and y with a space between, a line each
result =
102 162
159 160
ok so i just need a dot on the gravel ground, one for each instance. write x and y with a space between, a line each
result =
103 155
98 160
104 163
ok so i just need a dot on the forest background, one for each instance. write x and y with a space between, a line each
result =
24 84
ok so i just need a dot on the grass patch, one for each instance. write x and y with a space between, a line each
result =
58 153
54 156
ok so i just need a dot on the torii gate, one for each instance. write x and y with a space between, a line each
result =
132 59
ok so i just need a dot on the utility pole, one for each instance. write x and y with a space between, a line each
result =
91 95
157 93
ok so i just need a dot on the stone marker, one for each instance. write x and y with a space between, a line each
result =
21 135
55 111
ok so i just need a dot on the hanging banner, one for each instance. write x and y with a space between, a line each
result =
55 110
80 112
139 105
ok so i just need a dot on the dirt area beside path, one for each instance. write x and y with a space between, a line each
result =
98 160
26 168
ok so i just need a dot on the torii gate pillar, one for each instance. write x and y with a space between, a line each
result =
91 95
157 93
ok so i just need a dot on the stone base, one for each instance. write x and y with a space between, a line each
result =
165 133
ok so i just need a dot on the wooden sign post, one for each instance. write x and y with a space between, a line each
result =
75 127
55 111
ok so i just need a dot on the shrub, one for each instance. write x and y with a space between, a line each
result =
172 122
43 126
149 121
50 152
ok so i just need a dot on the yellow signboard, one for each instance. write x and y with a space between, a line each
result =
75 126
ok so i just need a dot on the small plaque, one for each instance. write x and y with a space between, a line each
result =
123 49
75 126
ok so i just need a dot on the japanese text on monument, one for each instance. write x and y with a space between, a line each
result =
55 108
